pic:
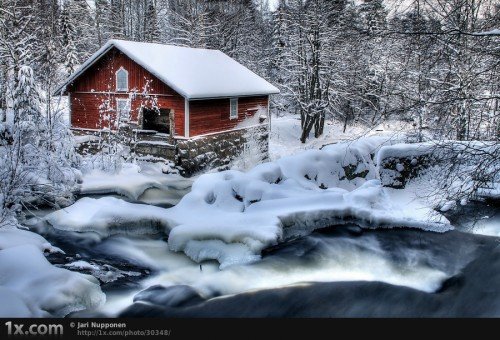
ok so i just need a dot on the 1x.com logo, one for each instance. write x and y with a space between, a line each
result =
34 329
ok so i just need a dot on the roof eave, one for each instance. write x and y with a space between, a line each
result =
253 94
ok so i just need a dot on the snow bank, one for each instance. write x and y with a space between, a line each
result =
14 305
31 287
109 215
35 288
285 132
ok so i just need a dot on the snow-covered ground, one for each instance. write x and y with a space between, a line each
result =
286 130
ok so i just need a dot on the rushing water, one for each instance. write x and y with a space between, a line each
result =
414 259
316 258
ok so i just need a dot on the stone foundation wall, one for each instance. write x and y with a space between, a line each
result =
399 164
189 155
396 172
217 150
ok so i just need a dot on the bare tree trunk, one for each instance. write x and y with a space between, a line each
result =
308 125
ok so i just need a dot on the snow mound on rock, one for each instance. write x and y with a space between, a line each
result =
232 216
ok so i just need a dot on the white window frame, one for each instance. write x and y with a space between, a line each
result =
233 103
121 69
120 116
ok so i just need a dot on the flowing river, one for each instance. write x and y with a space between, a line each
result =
336 271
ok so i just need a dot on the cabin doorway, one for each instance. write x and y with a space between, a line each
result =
156 119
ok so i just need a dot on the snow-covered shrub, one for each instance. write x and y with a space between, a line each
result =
255 148
112 147
110 158
37 157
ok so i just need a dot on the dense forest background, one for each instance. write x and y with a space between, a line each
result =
434 63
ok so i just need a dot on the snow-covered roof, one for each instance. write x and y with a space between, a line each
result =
192 72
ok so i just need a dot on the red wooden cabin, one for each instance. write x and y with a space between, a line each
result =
204 91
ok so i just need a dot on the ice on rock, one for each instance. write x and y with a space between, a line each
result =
82 265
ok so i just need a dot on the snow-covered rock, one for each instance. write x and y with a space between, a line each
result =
109 215
132 181
34 288
231 231
449 161
13 237
106 273
14 305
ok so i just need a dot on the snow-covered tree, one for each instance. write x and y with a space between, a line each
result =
151 28
38 159
68 37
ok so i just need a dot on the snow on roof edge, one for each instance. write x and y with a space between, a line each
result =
116 43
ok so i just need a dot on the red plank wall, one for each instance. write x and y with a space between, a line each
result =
97 85
86 114
207 116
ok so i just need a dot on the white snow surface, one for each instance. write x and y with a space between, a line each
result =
285 132
192 72
31 287
232 216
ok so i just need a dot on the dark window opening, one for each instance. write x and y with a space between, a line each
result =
157 120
